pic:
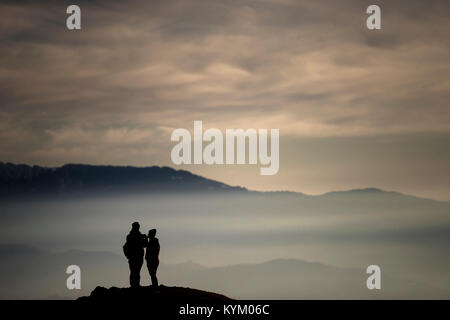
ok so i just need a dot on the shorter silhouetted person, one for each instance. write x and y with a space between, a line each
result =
152 256
134 251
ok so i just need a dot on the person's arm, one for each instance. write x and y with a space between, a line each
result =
145 240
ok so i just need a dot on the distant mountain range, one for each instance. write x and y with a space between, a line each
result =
408 236
20 180
76 179
27 272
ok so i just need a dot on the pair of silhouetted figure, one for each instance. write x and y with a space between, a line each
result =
134 251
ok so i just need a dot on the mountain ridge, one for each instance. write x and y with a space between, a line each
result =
22 180
78 179
275 278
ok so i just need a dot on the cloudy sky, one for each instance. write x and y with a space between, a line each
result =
355 108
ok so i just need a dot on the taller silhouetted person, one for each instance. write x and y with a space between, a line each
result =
152 256
134 251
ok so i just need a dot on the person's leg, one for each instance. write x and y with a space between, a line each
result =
156 269
135 272
152 269
138 272
132 265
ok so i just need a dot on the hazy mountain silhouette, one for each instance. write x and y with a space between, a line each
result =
75 179
28 272
20 180
34 273
408 236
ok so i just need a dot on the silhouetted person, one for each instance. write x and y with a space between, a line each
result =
134 251
152 256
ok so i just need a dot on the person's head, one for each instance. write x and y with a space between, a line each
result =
135 226
152 233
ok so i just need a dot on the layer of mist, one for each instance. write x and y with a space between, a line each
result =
407 237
